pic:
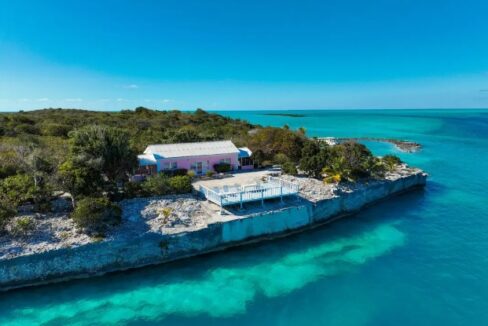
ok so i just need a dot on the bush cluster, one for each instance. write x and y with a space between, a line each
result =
222 167
349 161
6 214
23 226
159 185
176 172
95 215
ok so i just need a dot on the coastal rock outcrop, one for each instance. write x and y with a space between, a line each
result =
187 229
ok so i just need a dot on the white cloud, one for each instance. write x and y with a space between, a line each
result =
166 100
23 100
121 100
73 99
43 99
131 86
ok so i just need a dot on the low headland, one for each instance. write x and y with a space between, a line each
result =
71 206
401 145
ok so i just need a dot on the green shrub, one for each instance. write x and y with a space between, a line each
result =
96 215
157 185
17 189
222 167
7 171
166 212
6 214
289 168
315 156
209 173
280 159
160 185
23 226
266 164
133 189
191 173
172 173
55 129
26 129
391 161
180 184
333 178
351 162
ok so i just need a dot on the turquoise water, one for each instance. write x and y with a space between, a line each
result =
418 259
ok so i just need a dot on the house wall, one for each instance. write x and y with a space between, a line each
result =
209 161
248 163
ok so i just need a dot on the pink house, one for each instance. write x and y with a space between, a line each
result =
199 157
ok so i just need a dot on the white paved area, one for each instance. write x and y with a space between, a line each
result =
235 179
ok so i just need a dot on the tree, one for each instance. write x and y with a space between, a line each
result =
271 141
79 180
350 162
337 171
315 156
104 149
355 158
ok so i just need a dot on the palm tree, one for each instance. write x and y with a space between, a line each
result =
337 171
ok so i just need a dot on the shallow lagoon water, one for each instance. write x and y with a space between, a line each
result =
416 259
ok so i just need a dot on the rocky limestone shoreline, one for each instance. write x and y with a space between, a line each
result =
160 229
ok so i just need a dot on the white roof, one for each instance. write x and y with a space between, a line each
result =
192 149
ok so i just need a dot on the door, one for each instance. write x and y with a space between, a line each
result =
199 168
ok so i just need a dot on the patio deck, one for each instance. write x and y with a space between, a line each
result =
224 193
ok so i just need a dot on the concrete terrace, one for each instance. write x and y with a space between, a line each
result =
245 187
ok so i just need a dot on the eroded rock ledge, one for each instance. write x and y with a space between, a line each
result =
192 227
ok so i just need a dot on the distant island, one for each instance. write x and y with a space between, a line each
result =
291 115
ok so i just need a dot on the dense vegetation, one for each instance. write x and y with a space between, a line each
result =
91 156
348 162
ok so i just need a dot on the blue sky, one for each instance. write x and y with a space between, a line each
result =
243 54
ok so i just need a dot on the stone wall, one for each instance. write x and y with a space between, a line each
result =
153 248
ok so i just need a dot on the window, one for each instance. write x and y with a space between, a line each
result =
246 161
170 165
225 160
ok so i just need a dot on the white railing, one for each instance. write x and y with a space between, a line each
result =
273 188
284 183
210 194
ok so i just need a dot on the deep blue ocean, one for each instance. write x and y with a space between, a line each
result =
417 259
